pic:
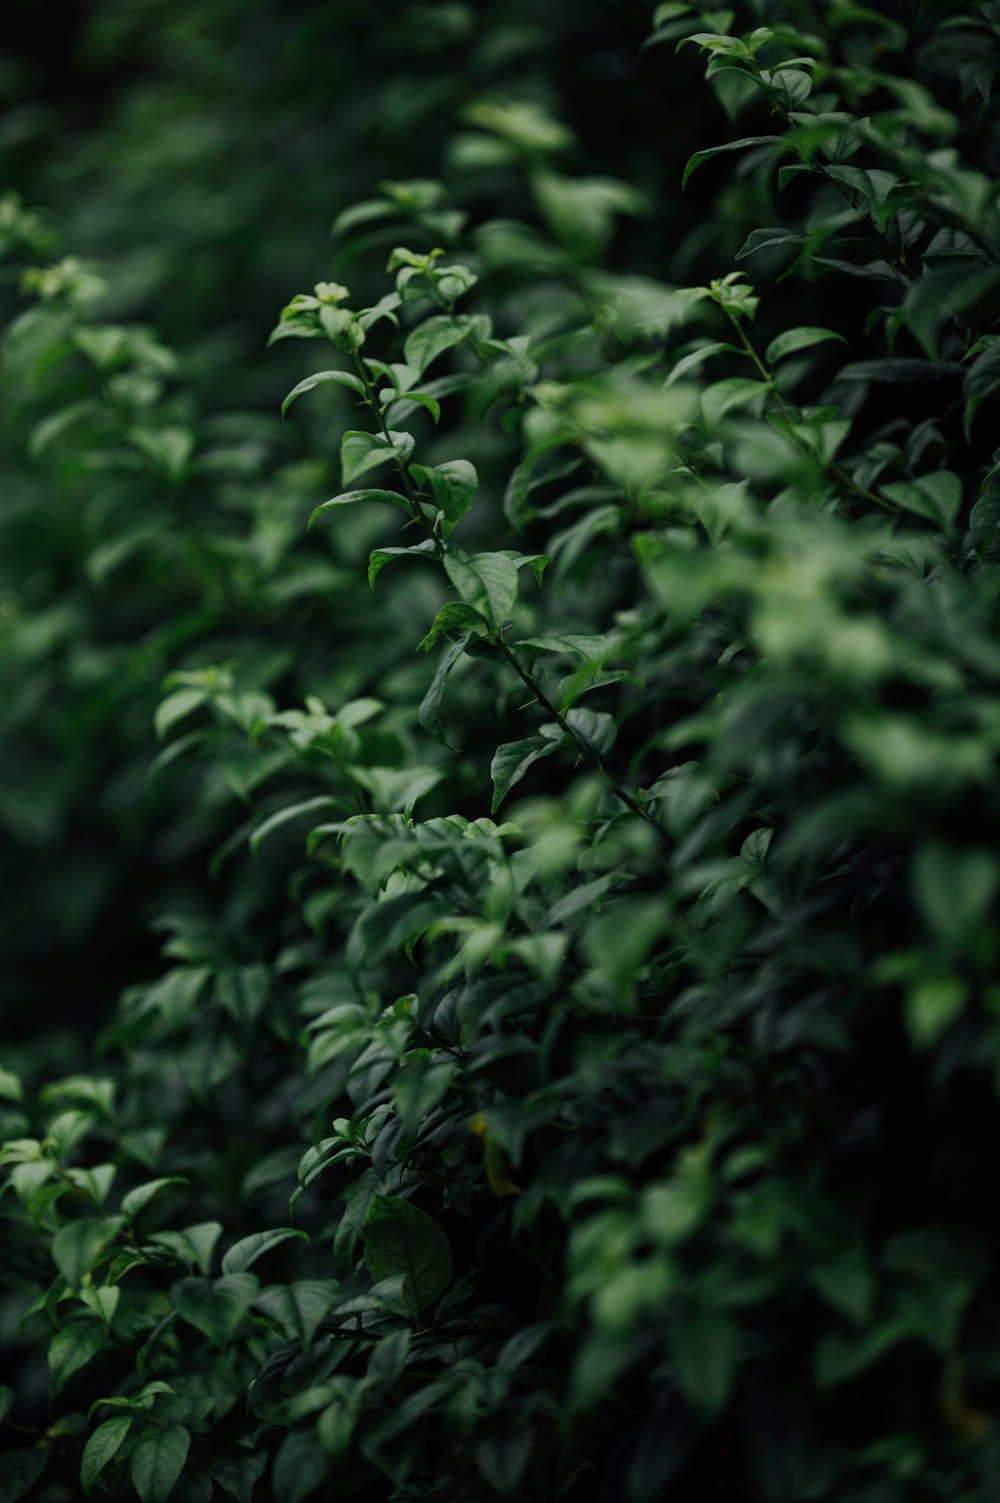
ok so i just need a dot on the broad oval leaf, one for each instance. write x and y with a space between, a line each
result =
157 1462
299 1307
215 1307
454 484
431 338
361 451
78 1246
399 1238
72 1348
937 496
300 1467
512 761
487 582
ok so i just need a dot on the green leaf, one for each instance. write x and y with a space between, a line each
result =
512 761
169 449
21 1470
429 713
898 369
724 396
401 1239
503 1457
339 378
431 338
11 1088
705 1352
537 563
157 1462
695 358
325 804
937 496
798 339
396 789
764 239
419 1086
847 1283
451 617
72 1348
78 1247
695 161
194 1245
215 1307
243 1254
360 451
238 1475
379 557
955 890
933 1003
354 498
102 1445
299 1307
300 1467
175 707
487 582
385 308
136 1200
423 398
454 484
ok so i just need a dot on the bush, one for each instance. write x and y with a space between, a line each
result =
578 1076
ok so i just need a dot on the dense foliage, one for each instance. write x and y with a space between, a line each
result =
572 1060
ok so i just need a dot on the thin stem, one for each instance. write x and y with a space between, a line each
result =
411 495
587 752
585 749
897 261
835 469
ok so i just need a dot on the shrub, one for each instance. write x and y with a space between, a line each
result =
584 1083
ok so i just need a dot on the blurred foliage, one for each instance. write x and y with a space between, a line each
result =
557 762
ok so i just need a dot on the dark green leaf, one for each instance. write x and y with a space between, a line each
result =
695 161
298 1307
243 1254
103 1444
79 1246
487 582
215 1307
401 1239
512 761
429 713
157 1461
798 339
72 1348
